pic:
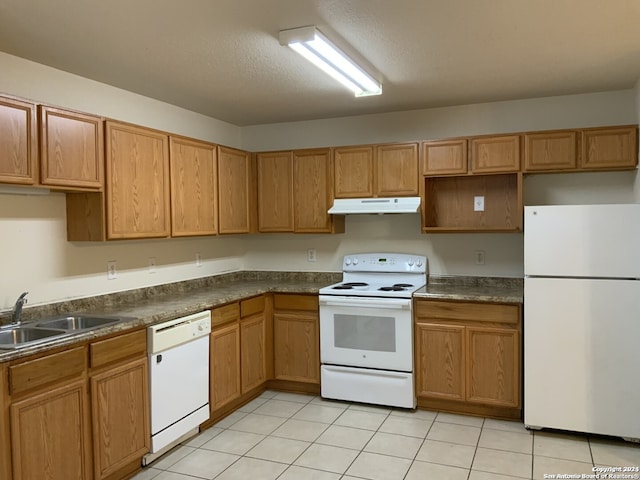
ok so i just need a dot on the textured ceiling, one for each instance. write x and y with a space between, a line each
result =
222 58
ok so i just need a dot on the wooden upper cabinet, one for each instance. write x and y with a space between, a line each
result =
71 149
353 175
551 151
396 171
445 157
495 154
18 144
234 191
614 148
312 192
194 187
137 182
275 191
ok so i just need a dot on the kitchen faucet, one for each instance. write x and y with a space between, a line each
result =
16 318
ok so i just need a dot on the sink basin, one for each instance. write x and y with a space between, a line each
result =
22 336
78 322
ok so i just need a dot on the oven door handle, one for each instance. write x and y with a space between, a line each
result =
390 303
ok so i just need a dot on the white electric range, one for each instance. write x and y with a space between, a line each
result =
366 329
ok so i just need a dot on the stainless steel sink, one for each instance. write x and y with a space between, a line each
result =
27 334
79 322
22 336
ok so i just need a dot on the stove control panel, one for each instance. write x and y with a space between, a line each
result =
384 262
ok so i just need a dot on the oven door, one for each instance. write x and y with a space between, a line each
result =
366 332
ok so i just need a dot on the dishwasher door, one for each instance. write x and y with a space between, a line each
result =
179 379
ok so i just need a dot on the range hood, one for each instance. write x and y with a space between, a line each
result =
344 206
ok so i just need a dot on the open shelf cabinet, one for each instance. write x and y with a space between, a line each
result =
449 203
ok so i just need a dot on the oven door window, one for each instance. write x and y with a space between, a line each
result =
365 332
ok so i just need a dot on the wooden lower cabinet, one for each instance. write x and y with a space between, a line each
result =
469 357
239 353
120 416
224 371
252 352
119 404
296 338
51 434
493 374
441 355
49 416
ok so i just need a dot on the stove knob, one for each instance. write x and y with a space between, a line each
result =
410 262
419 263
347 261
355 261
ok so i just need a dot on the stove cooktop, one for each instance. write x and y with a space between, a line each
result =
380 275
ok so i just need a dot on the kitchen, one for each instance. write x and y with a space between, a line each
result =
64 269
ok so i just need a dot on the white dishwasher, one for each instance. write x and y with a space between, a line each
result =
179 379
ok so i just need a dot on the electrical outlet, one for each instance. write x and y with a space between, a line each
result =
112 273
152 264
479 257
311 255
198 259
478 204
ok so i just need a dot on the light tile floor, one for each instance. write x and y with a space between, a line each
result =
288 436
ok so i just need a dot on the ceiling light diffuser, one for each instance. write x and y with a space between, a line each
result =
319 50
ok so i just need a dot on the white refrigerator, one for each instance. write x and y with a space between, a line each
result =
582 318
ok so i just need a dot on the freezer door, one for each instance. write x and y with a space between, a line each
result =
582 241
581 355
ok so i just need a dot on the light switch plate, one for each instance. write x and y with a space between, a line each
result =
478 204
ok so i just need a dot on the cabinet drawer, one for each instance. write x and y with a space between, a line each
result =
118 348
296 302
468 312
35 373
252 306
225 314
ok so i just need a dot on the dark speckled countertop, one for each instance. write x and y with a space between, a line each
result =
474 289
150 305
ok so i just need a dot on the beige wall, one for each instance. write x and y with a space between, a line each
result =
35 255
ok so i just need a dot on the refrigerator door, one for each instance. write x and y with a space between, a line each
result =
581 355
582 241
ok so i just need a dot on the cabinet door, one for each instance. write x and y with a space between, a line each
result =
353 172
609 148
253 362
5 432
234 187
194 183
444 157
120 410
137 182
550 151
312 191
296 347
225 365
51 435
440 361
495 154
275 191
71 149
18 144
493 369
396 170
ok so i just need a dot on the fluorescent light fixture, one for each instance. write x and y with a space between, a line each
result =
23 190
318 49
